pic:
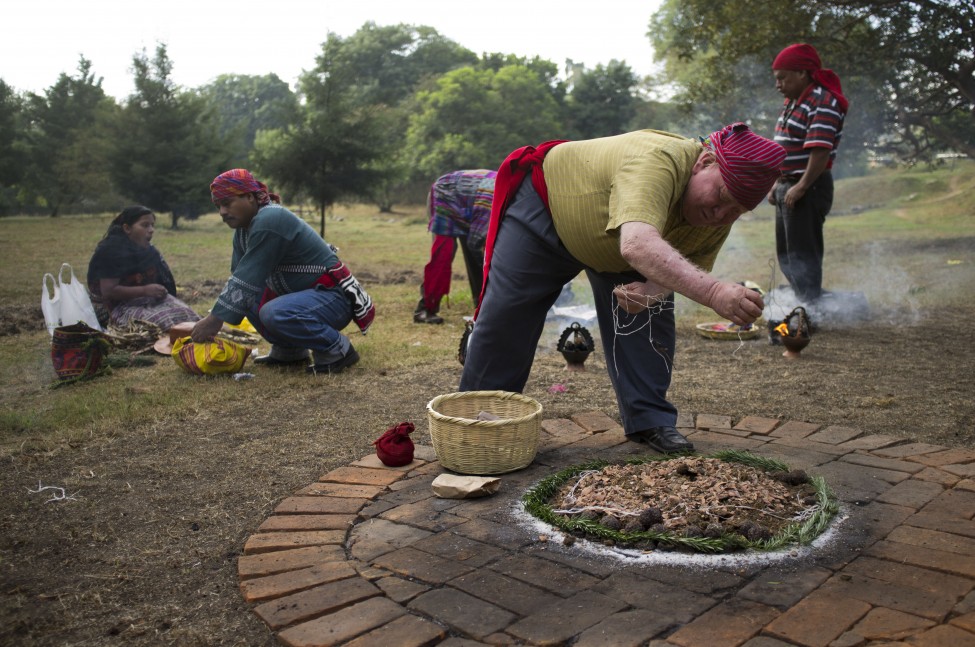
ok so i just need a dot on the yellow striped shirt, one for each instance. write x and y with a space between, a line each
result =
596 185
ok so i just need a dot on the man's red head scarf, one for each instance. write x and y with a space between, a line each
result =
749 163
239 181
804 58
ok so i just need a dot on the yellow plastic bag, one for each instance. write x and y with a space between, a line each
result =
244 325
209 358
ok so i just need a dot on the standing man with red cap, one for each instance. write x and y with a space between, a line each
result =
644 215
809 128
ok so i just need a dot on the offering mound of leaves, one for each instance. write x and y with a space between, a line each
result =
728 501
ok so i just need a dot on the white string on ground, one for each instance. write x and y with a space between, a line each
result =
59 495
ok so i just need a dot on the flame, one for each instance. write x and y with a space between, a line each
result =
782 329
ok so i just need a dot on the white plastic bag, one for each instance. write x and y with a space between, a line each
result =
51 303
75 304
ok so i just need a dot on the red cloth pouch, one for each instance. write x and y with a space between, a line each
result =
395 447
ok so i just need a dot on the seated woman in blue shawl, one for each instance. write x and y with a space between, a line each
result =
128 278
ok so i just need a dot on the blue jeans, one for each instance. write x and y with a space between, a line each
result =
308 319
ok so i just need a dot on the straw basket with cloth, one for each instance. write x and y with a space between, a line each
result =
484 432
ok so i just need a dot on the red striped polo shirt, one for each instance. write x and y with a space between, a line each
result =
814 120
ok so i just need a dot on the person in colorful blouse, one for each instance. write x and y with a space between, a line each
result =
809 128
643 214
287 281
459 204
129 279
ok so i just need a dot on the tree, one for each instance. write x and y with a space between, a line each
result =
12 146
166 144
244 105
907 67
380 69
602 101
65 143
472 118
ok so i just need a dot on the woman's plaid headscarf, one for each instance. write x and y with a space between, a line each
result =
239 181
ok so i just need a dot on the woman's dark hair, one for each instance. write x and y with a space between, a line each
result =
128 216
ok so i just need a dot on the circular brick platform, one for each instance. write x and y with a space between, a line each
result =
368 555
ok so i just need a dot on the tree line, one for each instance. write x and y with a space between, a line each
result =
388 109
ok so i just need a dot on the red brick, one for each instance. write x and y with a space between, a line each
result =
270 541
399 590
818 619
909 576
933 605
685 420
372 461
757 425
944 636
956 502
965 471
947 457
556 624
936 559
887 624
911 493
873 441
290 522
405 631
834 435
602 440
314 602
465 613
794 429
287 560
319 505
424 514
708 421
341 626
931 539
935 475
274 586
882 463
561 426
361 476
908 450
730 623
413 563
966 484
342 490
725 440
594 421
966 622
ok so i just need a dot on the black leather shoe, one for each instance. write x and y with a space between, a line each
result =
422 316
267 360
665 440
339 365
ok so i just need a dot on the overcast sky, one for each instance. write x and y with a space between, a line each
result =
204 38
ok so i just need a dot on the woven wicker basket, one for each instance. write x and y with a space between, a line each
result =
467 445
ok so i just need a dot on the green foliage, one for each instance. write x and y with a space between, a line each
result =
166 144
905 66
474 117
244 105
65 144
602 101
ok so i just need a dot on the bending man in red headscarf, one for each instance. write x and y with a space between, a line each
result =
809 128
644 215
